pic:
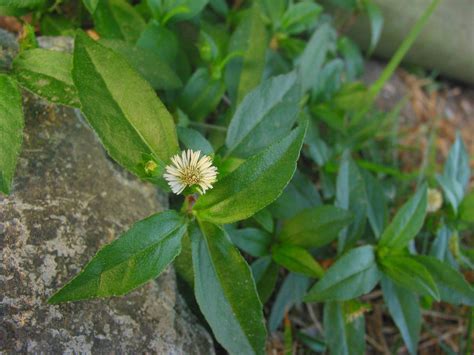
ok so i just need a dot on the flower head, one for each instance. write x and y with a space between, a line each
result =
435 200
150 166
190 169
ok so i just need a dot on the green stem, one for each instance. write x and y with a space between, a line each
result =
208 125
394 62
427 163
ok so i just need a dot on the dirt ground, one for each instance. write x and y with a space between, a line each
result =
439 106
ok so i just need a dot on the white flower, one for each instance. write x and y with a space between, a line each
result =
190 169
435 200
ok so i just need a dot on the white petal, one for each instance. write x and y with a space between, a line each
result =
177 161
195 158
184 159
172 170
190 162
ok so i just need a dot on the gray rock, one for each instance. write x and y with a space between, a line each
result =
56 43
68 200
8 49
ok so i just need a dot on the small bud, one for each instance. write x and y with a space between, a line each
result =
382 252
274 43
435 200
205 51
354 309
216 72
150 166
454 245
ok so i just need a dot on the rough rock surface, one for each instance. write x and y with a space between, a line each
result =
68 200
8 49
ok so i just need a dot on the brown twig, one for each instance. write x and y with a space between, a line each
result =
313 317
435 314
372 296
374 344
441 337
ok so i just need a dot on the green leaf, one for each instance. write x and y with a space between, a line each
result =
125 112
47 74
407 222
466 210
212 45
457 164
165 44
265 219
9 8
352 57
407 272
350 195
377 211
265 115
194 140
252 240
251 39
329 81
226 292
314 343
118 19
254 184
183 263
351 97
455 178
354 274
291 292
137 256
91 5
376 23
311 60
152 68
405 310
297 259
220 6
317 150
452 286
160 41
330 115
453 191
194 6
291 47
328 184
274 9
343 337
440 245
201 95
55 25
300 16
315 227
265 274
27 40
177 10
226 166
11 126
22 3
299 194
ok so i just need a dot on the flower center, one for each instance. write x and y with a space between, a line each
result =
191 177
